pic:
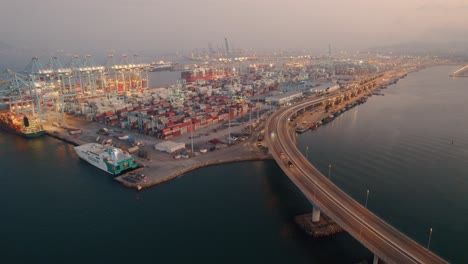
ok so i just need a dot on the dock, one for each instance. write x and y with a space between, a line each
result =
157 167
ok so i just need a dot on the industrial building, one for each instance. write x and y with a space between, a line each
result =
284 98
169 146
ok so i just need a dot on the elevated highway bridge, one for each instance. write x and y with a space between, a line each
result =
387 243
462 72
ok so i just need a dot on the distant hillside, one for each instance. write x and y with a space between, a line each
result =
5 46
449 49
12 58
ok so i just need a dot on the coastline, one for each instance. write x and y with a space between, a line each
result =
160 167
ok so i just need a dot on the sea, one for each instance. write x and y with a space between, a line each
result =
163 78
408 148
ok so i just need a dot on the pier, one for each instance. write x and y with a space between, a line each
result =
158 167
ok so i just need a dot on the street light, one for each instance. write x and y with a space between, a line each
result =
256 106
250 117
329 171
430 235
191 136
307 152
367 197
229 138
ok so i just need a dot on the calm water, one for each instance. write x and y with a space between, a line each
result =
58 209
164 78
409 148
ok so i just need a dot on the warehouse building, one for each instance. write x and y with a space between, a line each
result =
169 146
283 98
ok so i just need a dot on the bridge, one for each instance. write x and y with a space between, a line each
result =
387 243
462 72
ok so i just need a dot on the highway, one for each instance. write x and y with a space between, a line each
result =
389 244
460 72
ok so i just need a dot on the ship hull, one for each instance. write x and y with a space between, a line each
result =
27 135
160 69
102 158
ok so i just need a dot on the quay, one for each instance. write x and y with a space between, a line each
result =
159 167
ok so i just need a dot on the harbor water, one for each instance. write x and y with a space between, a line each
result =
159 79
408 148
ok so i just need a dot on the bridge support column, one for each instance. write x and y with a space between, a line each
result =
315 214
376 259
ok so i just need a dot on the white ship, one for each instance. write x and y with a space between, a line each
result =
160 66
107 158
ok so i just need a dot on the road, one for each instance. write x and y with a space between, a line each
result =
389 244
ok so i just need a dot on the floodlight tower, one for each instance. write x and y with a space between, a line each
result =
227 46
111 69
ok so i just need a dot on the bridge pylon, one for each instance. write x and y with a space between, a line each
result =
376 259
315 214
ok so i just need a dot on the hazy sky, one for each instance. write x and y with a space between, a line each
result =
177 25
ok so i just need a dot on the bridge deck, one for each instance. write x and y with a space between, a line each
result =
385 241
462 72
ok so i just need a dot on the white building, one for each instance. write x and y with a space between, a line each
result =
283 98
169 146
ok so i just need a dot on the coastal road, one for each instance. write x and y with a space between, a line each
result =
389 244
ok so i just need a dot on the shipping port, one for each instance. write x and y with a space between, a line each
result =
213 114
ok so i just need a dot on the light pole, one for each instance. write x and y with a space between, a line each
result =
256 106
229 139
191 136
250 118
367 197
307 152
430 235
329 171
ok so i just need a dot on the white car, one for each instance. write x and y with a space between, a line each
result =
232 138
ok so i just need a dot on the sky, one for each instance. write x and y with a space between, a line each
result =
159 26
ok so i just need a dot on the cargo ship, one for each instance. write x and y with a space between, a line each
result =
107 158
22 125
